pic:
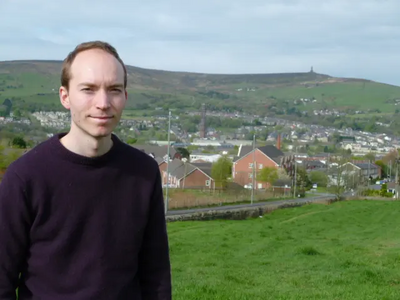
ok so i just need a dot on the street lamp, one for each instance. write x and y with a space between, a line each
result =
253 179
168 159
295 173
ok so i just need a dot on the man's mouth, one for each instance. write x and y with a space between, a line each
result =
101 117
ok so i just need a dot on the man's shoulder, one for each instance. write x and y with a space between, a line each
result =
138 157
33 157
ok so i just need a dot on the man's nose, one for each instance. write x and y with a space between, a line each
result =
102 99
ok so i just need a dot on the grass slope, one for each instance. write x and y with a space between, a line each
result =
348 250
38 82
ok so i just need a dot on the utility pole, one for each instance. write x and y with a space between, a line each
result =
254 162
295 174
184 178
369 164
168 159
397 179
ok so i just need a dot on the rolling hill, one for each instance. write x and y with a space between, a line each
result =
32 83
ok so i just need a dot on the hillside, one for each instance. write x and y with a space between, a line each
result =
30 83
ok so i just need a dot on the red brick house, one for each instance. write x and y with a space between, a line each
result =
162 164
265 156
187 175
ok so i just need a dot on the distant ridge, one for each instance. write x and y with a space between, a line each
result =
36 81
156 79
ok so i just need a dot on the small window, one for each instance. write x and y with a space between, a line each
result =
208 182
250 165
260 166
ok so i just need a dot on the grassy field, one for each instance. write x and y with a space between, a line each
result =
347 250
355 95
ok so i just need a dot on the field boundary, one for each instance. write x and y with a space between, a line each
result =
241 212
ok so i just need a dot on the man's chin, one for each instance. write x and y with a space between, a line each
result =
100 135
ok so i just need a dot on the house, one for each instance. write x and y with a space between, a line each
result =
312 165
365 170
187 175
205 157
159 151
265 156
354 173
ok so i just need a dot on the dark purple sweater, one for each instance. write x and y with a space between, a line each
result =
83 228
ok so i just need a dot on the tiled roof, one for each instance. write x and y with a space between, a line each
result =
271 151
156 151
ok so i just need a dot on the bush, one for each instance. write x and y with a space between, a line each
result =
377 193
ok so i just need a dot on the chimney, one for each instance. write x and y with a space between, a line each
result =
278 141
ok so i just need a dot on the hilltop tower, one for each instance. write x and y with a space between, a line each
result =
203 121
312 69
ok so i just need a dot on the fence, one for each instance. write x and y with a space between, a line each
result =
191 198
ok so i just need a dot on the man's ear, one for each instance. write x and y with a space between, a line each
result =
64 97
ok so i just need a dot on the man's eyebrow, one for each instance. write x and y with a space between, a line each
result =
89 84
117 85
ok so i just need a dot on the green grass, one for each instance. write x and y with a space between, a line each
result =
355 95
347 250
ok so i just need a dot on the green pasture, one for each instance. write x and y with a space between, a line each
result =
347 250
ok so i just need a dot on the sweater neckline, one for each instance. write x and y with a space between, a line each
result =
73 157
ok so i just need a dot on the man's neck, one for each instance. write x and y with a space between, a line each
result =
86 145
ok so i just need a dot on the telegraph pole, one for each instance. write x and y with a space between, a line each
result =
168 154
397 179
369 164
254 160
295 174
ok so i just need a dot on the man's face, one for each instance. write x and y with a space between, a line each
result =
96 96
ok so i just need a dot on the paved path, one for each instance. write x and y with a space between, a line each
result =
256 204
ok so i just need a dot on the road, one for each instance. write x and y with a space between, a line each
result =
256 204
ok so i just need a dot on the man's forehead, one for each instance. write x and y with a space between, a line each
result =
94 78
97 67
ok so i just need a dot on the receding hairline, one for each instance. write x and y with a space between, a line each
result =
120 67
84 47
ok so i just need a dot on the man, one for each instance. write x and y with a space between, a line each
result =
82 214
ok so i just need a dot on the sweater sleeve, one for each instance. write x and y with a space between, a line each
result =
14 233
154 261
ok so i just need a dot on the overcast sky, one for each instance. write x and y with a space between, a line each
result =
347 38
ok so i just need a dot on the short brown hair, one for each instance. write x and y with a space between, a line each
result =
66 68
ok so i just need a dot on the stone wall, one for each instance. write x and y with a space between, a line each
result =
243 213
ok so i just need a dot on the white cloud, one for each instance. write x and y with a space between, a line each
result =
358 38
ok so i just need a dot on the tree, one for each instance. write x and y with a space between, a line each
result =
283 175
131 141
302 180
268 175
370 156
384 168
17 113
390 157
221 170
319 178
18 142
183 152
